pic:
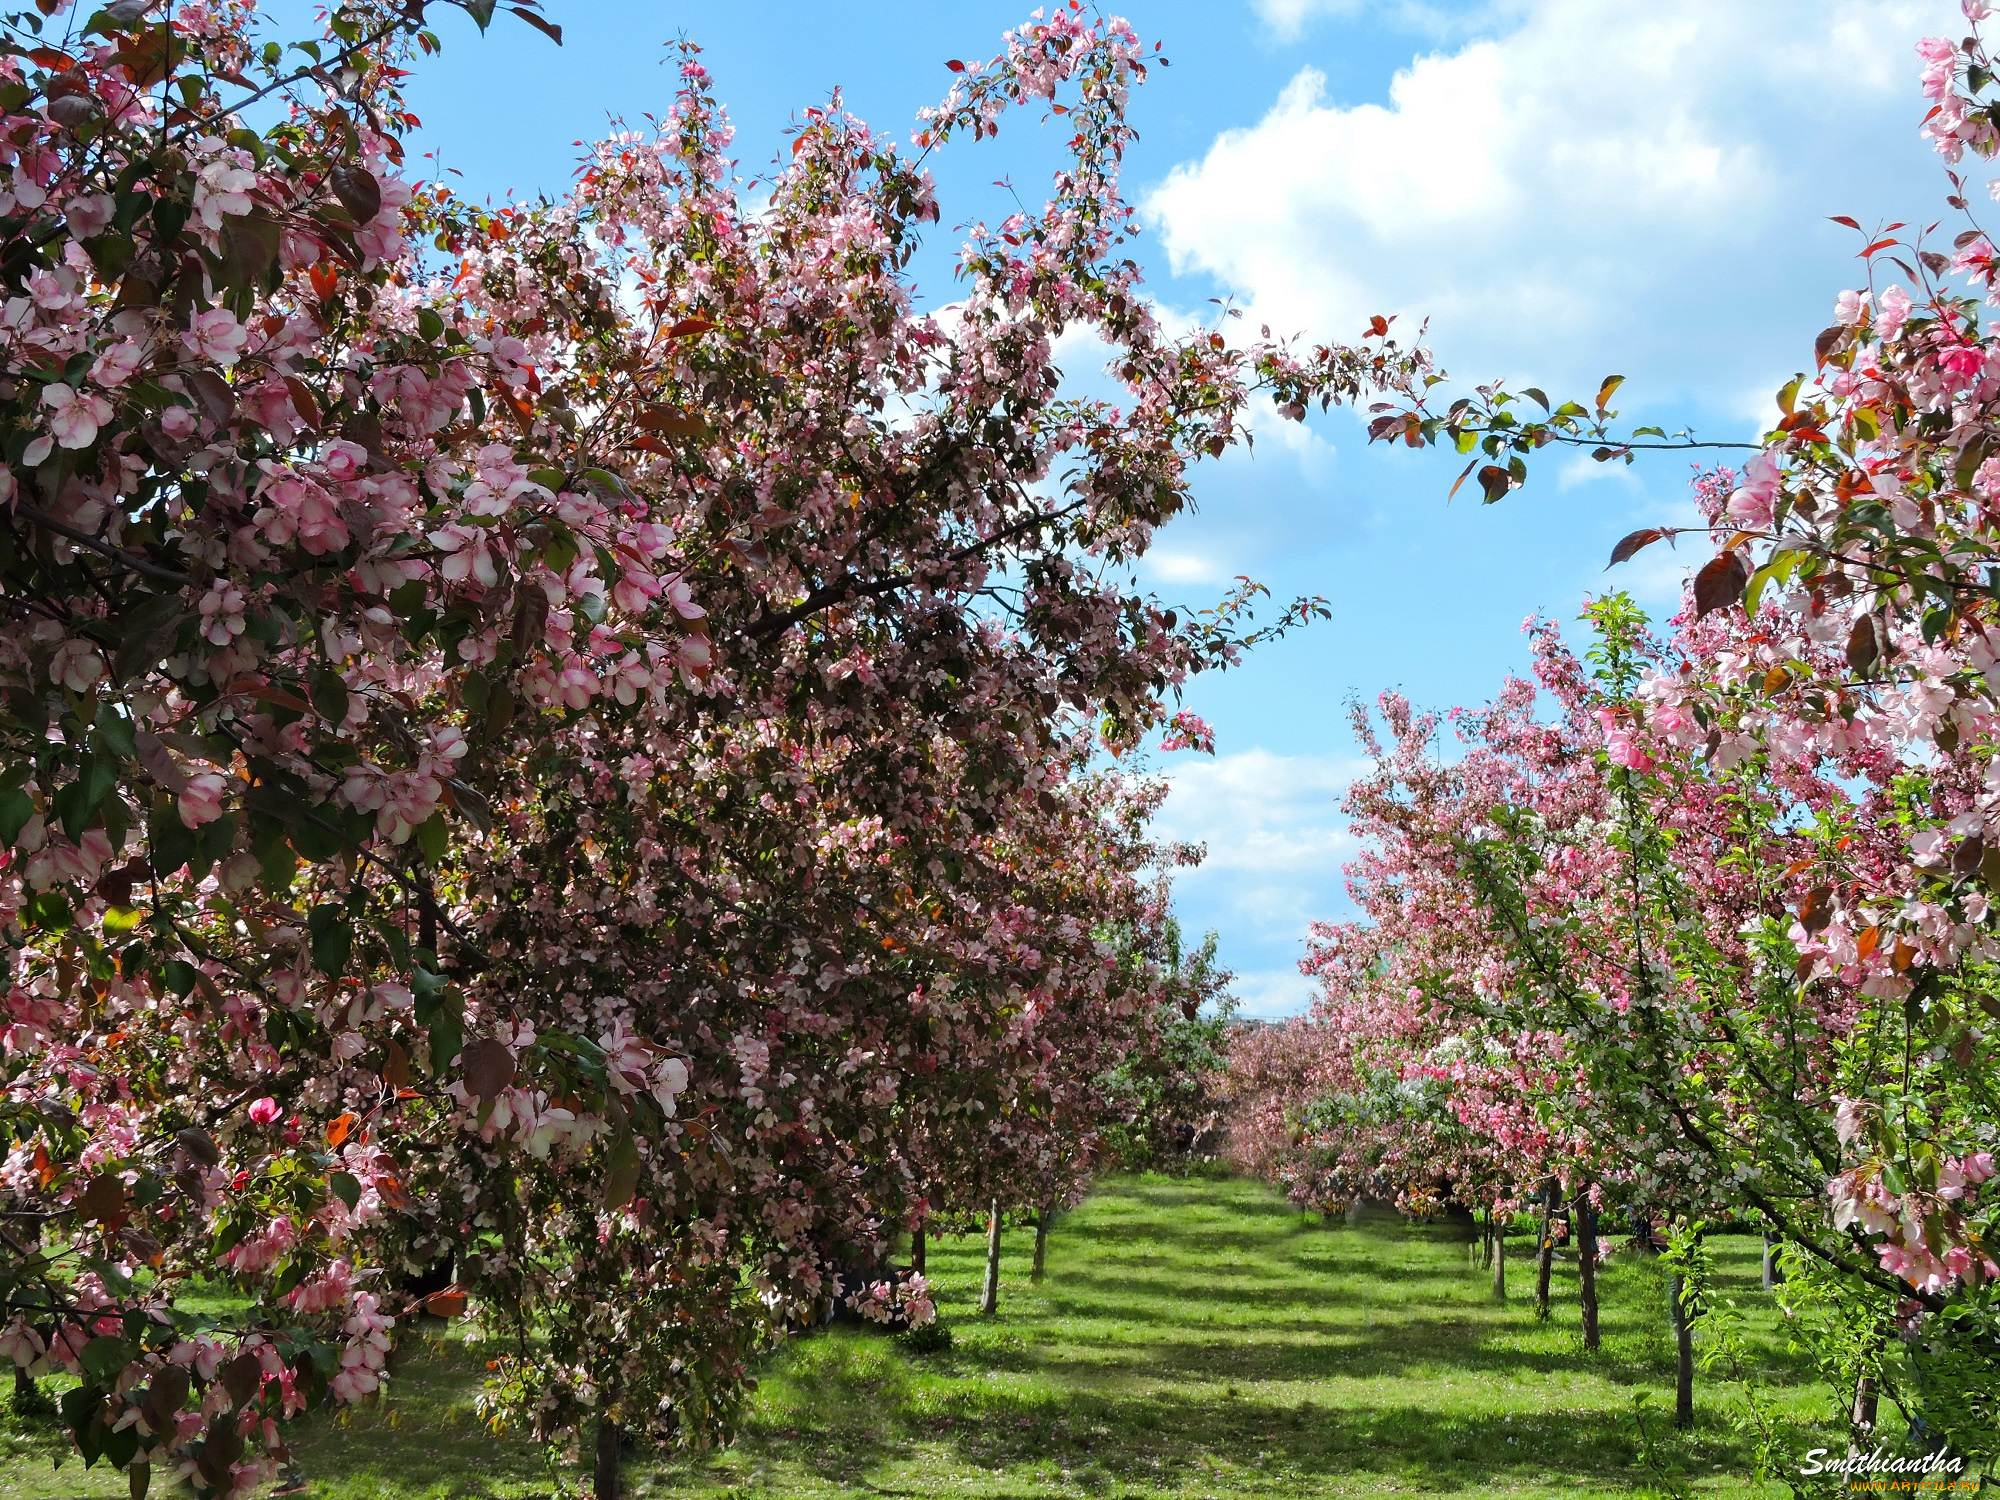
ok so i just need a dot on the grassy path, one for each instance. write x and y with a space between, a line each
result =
1192 1339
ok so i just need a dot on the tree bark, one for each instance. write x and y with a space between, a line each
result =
1486 1244
1586 1268
1865 1392
1042 1240
1499 1256
1865 1403
917 1251
1684 1350
1773 1272
1546 1260
989 1295
604 1472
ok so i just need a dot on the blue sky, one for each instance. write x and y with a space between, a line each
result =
1565 188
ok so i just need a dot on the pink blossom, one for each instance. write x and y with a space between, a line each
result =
265 1111
201 800
216 335
1896 307
77 415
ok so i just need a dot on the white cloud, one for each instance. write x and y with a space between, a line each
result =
1288 19
1276 842
1603 180
1269 994
1260 813
1171 565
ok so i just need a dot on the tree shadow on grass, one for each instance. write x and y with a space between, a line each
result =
1174 1440
425 1442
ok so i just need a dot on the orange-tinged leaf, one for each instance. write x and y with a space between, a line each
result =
1867 943
341 1128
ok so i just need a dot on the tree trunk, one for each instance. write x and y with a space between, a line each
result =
1486 1244
1864 1412
989 1296
1586 1268
1546 1261
604 1473
1773 1272
1042 1240
1865 1403
917 1251
1499 1256
1684 1349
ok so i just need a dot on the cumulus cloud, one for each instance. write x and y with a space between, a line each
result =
1596 178
1276 842
1269 994
1258 812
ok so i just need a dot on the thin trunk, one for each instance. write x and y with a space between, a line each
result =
1042 1240
917 1251
1486 1244
1773 1272
604 1474
1684 1348
1865 1403
1499 1256
1586 1268
1865 1390
1546 1262
989 1296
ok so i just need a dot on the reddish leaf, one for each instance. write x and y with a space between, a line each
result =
1645 537
243 1378
302 398
955 65
1843 219
338 1132
664 419
449 1303
1864 644
489 1068
1719 584
688 326
103 1202
1817 909
358 191
547 28
199 1145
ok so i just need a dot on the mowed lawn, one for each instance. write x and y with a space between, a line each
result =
1192 1338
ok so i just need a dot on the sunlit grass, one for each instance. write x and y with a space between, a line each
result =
1193 1338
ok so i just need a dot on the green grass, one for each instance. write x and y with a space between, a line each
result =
1193 1338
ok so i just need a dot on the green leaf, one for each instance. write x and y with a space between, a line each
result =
429 324
104 1357
115 731
16 808
346 1187
433 838
481 11
332 939
447 1041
